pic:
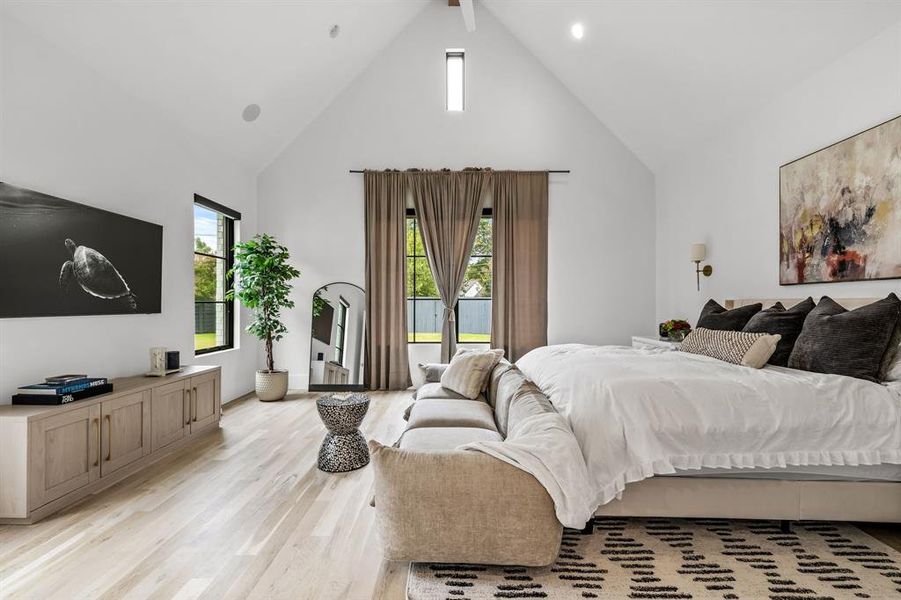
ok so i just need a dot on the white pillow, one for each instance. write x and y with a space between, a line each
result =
736 347
468 371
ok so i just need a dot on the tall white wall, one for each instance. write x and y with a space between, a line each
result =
518 116
68 132
725 192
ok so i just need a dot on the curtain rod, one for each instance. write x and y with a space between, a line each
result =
547 170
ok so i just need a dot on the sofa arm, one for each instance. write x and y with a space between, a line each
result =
461 506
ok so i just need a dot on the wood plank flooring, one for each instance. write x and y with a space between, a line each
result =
244 514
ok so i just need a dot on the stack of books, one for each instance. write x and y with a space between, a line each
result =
62 389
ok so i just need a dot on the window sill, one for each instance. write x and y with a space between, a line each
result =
214 352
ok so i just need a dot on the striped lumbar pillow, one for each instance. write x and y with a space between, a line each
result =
736 347
468 371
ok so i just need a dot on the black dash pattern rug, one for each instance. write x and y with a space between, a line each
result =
676 559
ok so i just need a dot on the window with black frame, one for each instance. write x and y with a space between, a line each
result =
424 307
214 237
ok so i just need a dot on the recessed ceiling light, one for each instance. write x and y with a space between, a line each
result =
251 112
334 31
577 31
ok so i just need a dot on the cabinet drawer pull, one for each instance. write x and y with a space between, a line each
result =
99 441
109 437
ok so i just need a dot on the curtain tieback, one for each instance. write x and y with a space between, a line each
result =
449 314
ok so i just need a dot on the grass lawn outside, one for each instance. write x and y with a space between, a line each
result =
434 337
203 341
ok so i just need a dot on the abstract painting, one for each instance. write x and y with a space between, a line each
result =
840 210
60 258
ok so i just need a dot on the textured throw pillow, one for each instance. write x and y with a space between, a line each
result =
468 371
787 323
714 316
846 342
431 372
736 347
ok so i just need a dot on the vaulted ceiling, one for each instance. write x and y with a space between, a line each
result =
659 73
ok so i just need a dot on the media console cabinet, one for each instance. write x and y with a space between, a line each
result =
53 456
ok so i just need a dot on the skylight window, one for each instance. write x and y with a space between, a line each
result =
455 86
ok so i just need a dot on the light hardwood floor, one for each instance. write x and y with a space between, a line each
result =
245 514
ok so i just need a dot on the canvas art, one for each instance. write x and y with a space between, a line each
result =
840 210
62 258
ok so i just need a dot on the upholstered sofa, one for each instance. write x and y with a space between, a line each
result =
437 503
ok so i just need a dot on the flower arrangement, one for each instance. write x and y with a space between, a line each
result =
675 329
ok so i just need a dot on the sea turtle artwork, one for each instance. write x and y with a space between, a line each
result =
95 274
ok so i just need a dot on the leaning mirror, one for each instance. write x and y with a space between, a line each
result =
336 343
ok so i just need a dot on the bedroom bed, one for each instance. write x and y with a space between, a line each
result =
670 434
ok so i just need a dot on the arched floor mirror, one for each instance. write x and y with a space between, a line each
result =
337 340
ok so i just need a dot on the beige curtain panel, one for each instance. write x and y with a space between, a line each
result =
448 207
387 364
519 294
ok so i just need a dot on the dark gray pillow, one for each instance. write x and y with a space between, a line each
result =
787 323
714 316
846 342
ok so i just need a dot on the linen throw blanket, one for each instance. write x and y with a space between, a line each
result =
638 413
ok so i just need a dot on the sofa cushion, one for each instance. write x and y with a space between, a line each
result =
434 391
451 413
445 438
502 367
508 385
468 371
461 507
528 401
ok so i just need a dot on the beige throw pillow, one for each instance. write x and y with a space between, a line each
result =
468 371
736 347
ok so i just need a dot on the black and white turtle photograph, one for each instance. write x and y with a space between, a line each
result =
59 258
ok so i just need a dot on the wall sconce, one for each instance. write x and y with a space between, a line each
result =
699 253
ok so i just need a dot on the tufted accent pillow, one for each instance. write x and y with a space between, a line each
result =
467 373
736 347
787 323
714 316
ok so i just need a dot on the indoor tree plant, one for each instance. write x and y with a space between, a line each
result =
263 283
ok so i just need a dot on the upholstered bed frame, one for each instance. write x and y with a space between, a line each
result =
761 498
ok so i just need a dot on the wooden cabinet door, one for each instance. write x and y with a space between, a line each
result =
65 454
125 430
170 414
204 400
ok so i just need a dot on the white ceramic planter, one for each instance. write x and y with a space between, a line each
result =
271 385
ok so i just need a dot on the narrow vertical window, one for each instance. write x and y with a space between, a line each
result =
214 236
455 77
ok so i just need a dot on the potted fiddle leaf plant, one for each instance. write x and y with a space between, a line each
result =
263 278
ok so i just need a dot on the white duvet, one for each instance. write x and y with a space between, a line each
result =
638 413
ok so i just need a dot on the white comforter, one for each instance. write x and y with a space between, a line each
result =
638 413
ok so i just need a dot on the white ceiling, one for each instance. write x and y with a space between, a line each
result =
664 73
659 73
202 62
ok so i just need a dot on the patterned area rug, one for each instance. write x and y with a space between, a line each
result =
684 559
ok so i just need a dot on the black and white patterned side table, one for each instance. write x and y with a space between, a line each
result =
344 447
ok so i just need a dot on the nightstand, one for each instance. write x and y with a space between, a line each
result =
639 341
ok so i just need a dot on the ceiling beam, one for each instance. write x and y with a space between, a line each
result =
469 15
